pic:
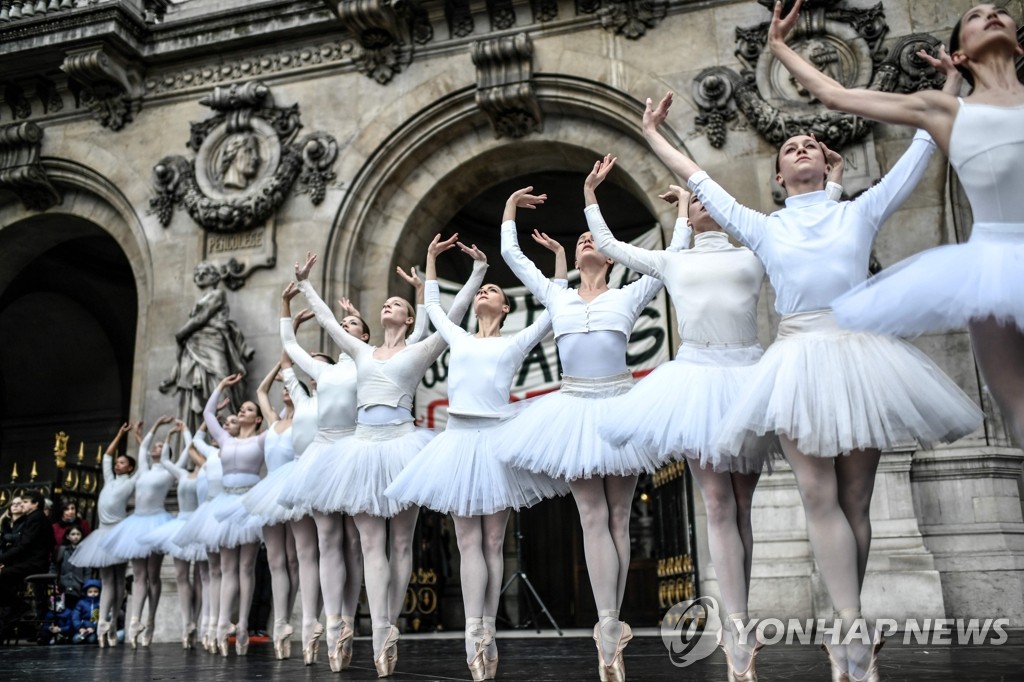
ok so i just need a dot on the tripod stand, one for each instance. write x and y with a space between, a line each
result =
520 574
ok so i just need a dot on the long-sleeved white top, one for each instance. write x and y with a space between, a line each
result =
304 420
278 448
209 481
153 483
241 458
714 286
335 384
187 486
481 370
815 249
591 337
112 504
392 382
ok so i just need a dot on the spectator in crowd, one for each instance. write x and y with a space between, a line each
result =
28 552
57 626
85 619
71 577
69 517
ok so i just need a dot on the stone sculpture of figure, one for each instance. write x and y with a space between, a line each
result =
239 162
210 347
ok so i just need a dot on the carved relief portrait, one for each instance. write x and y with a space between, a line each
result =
239 162
234 163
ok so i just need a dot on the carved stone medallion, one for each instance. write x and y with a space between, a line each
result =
248 159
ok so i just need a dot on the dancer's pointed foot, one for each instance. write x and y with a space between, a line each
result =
348 634
311 648
387 660
282 640
333 631
135 629
615 669
242 642
102 631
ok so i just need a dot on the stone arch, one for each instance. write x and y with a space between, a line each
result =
420 175
92 205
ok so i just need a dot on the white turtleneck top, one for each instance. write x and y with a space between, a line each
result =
241 458
481 370
335 384
390 383
714 286
815 249
112 505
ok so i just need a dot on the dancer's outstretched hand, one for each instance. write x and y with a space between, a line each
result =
302 271
349 308
654 116
547 242
602 168
473 252
437 245
290 291
781 26
675 194
304 316
230 380
412 277
522 198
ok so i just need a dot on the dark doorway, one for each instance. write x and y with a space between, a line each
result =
67 344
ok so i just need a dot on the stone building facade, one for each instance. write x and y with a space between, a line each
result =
139 138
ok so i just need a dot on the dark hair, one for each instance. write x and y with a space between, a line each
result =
954 45
131 461
327 358
74 526
366 327
68 504
34 495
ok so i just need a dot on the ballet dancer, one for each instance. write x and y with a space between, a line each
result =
241 459
151 488
558 434
823 391
979 284
456 472
385 440
119 477
161 540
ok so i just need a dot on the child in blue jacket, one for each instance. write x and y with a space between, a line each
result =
86 616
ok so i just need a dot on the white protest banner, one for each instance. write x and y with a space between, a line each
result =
541 371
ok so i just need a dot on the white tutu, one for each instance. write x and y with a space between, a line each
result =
91 553
944 288
204 528
242 530
125 539
263 500
161 540
320 456
833 391
558 433
457 473
354 480
677 410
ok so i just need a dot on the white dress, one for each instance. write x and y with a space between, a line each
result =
947 287
161 540
457 472
355 471
279 454
112 507
677 409
830 390
201 527
151 488
558 433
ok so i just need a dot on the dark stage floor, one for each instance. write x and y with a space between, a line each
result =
528 658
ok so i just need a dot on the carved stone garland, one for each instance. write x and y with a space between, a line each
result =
632 18
844 42
503 85
247 163
20 169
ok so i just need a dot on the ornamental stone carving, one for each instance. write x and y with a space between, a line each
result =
248 161
20 169
632 18
112 86
504 90
843 42
385 31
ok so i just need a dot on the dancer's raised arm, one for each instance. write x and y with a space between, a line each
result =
523 268
348 343
420 329
210 411
263 394
928 109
